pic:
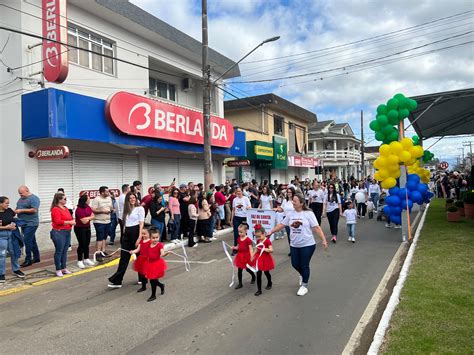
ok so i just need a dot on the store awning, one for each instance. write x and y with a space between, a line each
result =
449 113
58 114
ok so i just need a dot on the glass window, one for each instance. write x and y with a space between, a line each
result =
279 125
72 40
96 58
162 89
172 92
83 55
108 62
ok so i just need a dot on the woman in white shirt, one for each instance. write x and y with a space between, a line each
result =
374 193
333 209
316 200
133 219
240 205
361 199
302 223
286 208
266 199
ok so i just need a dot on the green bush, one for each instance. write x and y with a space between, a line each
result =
459 204
452 209
469 198
449 200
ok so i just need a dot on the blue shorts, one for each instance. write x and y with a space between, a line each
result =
221 212
101 231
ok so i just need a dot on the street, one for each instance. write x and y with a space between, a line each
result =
199 313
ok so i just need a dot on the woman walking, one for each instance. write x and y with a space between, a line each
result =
192 222
361 199
158 214
62 223
240 205
302 223
266 199
82 229
333 209
134 219
175 212
316 201
287 208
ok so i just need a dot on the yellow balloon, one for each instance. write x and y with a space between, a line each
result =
377 164
377 176
411 161
416 151
383 173
395 174
395 147
395 167
384 150
389 183
407 143
383 162
405 156
393 160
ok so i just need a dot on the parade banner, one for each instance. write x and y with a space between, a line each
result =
266 218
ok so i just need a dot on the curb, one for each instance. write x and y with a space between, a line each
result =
168 247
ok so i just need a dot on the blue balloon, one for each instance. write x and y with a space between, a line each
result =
394 190
410 204
411 185
413 177
416 196
430 194
387 210
422 188
393 200
402 193
396 210
396 219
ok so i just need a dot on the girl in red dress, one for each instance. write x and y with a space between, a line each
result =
155 266
262 259
142 251
244 249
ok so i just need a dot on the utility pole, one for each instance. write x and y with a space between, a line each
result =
206 103
362 153
403 183
465 144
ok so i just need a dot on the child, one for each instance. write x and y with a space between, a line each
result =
140 262
243 257
262 258
155 266
351 217
370 208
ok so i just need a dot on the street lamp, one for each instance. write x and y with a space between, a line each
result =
206 93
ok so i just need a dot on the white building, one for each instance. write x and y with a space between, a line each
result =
337 149
79 112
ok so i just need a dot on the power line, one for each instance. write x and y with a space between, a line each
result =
362 40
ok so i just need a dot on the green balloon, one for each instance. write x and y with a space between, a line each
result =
374 125
399 97
379 136
393 117
403 103
412 104
382 120
392 104
403 113
382 109
387 130
393 136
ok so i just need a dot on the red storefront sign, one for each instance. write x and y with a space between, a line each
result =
307 162
94 193
235 163
303 162
55 59
52 153
141 116
297 161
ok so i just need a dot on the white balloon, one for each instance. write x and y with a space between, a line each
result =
360 197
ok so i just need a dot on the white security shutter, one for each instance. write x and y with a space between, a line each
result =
92 170
191 170
162 171
130 171
53 174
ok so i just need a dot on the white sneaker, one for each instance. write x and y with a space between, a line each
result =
300 282
196 239
388 225
302 291
69 249
89 262
213 238
349 239
80 264
195 245
397 226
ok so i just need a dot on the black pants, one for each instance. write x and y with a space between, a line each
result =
183 226
239 274
128 241
83 236
236 222
259 279
122 227
317 208
361 209
154 283
333 219
191 231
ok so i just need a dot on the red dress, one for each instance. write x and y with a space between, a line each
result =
243 253
140 262
156 266
263 262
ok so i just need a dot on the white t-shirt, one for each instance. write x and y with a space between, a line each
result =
101 203
136 216
266 202
316 196
240 206
331 206
351 216
374 189
120 204
287 207
301 224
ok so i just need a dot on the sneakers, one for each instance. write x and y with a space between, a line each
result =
2 279
80 264
114 285
195 245
334 239
19 274
66 272
213 238
351 239
89 262
397 226
388 225
302 291
59 273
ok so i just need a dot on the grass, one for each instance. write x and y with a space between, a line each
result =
436 310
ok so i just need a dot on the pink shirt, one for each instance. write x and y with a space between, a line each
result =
173 205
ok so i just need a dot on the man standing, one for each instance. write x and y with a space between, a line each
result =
102 207
220 201
183 199
137 188
120 204
28 220
254 197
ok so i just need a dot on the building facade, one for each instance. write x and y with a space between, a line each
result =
277 137
128 109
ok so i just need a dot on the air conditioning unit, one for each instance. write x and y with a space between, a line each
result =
187 84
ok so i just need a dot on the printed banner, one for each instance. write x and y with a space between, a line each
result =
266 218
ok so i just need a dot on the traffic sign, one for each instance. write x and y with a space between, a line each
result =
444 165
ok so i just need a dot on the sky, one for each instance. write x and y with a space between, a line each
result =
318 37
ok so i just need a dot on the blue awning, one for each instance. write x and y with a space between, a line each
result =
53 113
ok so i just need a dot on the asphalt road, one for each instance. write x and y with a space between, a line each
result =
199 313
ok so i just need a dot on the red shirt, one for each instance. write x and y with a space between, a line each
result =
146 201
219 198
82 213
154 253
59 216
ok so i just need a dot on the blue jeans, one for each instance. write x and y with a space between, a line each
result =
375 199
300 259
113 227
17 242
213 222
351 229
31 247
177 226
160 226
6 244
61 240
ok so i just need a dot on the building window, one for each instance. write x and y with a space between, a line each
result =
310 146
161 89
99 46
279 125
